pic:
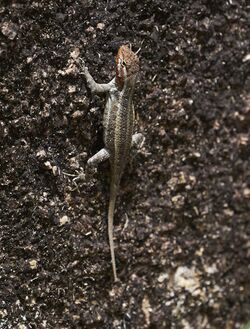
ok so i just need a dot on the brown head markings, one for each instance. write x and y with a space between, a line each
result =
127 65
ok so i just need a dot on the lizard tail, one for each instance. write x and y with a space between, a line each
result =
113 194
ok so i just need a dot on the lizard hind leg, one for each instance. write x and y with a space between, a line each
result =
92 163
99 157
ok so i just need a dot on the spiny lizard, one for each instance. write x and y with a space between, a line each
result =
118 126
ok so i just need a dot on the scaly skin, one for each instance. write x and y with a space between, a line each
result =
118 126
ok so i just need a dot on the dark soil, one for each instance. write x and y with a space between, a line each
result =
182 219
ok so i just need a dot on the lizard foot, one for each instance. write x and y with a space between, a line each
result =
83 67
84 176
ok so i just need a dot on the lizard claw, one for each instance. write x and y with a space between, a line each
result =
80 177
83 66
85 176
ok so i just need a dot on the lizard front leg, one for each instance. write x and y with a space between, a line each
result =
94 86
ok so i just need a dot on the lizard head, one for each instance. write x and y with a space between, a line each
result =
127 65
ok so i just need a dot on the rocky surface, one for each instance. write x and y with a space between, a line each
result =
182 220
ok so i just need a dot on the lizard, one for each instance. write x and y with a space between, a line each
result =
118 122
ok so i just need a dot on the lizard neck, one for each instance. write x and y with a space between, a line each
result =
127 84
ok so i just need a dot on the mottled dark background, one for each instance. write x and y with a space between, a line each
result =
182 219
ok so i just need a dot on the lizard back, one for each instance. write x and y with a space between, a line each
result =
118 128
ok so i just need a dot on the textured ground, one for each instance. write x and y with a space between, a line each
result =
182 220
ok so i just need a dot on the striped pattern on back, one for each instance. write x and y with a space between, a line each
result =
118 122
